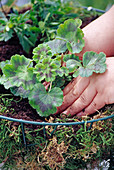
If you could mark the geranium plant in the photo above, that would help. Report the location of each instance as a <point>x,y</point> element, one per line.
<point>25,76</point>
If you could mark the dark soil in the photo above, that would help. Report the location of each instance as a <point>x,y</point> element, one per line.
<point>22,109</point>
<point>9,48</point>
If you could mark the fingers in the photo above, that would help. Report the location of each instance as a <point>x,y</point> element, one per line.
<point>96,104</point>
<point>74,93</point>
<point>83,101</point>
<point>89,93</point>
<point>70,85</point>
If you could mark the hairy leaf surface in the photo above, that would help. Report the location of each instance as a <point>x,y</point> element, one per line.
<point>20,91</point>
<point>45,102</point>
<point>4,81</point>
<point>20,72</point>
<point>66,57</point>
<point>57,46</point>
<point>3,63</point>
<point>62,71</point>
<point>72,65</point>
<point>42,51</point>
<point>72,62</point>
<point>72,35</point>
<point>47,69</point>
<point>92,62</point>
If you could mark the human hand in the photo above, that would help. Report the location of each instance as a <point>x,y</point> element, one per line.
<point>84,95</point>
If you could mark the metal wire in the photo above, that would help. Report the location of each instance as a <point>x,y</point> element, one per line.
<point>51,124</point>
<point>93,9</point>
<point>55,124</point>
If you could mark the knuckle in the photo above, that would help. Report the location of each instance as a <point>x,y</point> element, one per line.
<point>94,104</point>
<point>109,98</point>
<point>75,92</point>
<point>83,99</point>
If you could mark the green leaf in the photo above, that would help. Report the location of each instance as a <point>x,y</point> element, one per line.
<point>27,41</point>
<point>2,28</point>
<point>45,102</point>
<point>3,63</point>
<point>4,81</point>
<point>34,29</point>
<point>3,21</point>
<point>2,15</point>
<point>57,61</point>
<point>62,71</point>
<point>72,65</point>
<point>41,25</point>
<point>72,62</point>
<point>32,1</point>
<point>20,91</point>
<point>69,26</point>
<point>20,72</point>
<point>66,57</point>
<point>6,35</point>
<point>72,34</point>
<point>58,82</point>
<point>46,70</point>
<point>57,46</point>
<point>42,51</point>
<point>93,62</point>
<point>76,73</point>
<point>85,72</point>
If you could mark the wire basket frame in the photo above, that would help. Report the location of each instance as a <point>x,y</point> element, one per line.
<point>22,122</point>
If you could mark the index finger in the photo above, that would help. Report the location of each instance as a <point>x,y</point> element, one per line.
<point>70,85</point>
<point>74,93</point>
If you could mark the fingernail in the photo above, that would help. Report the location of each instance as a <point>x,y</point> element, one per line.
<point>65,112</point>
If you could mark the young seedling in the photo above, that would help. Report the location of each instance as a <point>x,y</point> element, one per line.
<point>25,76</point>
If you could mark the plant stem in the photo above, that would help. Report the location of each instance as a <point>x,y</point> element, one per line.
<point>29,63</point>
<point>3,9</point>
<point>62,59</point>
<point>50,86</point>
<point>4,95</point>
<point>16,101</point>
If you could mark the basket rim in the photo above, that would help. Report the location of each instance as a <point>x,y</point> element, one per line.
<point>54,124</point>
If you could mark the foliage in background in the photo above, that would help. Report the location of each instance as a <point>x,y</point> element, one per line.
<point>97,4</point>
<point>42,20</point>
<point>16,24</point>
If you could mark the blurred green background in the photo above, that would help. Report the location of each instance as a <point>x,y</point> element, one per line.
<point>100,4</point>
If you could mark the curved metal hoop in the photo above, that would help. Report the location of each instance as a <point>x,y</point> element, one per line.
<point>55,124</point>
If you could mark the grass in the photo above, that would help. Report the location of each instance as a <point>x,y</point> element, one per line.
<point>72,146</point>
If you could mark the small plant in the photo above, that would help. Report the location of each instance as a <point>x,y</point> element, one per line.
<point>37,25</point>
<point>24,76</point>
<point>16,23</point>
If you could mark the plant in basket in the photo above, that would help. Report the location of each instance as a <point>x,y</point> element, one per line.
<point>40,81</point>
<point>25,77</point>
